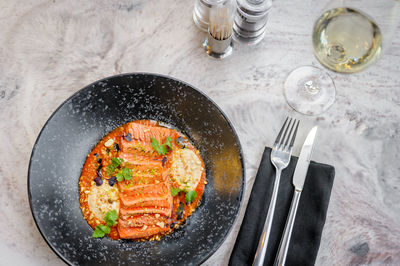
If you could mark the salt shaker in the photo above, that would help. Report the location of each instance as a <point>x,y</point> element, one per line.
<point>251,20</point>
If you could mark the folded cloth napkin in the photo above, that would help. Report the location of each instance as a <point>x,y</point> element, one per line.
<point>310,217</point>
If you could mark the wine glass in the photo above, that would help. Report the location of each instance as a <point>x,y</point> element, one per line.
<point>349,36</point>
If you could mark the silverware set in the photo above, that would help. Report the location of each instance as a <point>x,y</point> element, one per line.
<point>280,158</point>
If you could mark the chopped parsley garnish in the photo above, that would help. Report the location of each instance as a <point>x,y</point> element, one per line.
<point>115,163</point>
<point>175,191</point>
<point>162,149</point>
<point>168,142</point>
<point>190,196</point>
<point>124,174</point>
<point>121,173</point>
<point>101,229</point>
<point>111,217</point>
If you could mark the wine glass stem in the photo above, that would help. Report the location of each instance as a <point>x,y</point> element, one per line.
<point>310,87</point>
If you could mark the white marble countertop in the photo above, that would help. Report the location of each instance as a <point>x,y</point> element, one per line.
<point>51,49</point>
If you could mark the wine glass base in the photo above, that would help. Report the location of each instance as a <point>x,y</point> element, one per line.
<point>309,90</point>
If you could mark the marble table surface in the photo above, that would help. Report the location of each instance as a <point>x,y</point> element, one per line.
<point>51,49</point>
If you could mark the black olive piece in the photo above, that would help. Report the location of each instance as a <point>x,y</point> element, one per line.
<point>99,167</point>
<point>164,160</point>
<point>128,137</point>
<point>96,154</point>
<point>98,181</point>
<point>112,181</point>
<point>180,210</point>
<point>99,160</point>
<point>172,225</point>
<point>116,147</point>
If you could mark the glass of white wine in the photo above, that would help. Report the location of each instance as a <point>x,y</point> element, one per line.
<point>349,36</point>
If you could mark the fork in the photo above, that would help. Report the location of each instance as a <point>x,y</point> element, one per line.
<point>280,158</point>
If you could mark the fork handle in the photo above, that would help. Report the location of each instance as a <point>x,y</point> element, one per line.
<point>263,242</point>
<point>284,245</point>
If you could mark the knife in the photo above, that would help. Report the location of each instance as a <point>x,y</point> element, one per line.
<point>299,177</point>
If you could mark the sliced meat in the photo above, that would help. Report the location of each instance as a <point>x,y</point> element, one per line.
<point>146,201</point>
<point>128,212</point>
<point>146,133</point>
<point>140,220</point>
<point>141,161</point>
<point>140,232</point>
<point>144,187</point>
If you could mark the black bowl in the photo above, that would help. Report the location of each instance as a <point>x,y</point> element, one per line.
<point>82,120</point>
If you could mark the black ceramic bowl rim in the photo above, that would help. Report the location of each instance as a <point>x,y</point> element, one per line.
<point>87,87</point>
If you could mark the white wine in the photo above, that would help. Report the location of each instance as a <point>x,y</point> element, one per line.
<point>346,40</point>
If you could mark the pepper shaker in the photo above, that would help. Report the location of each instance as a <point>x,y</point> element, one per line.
<point>251,20</point>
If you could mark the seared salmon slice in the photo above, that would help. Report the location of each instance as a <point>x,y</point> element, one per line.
<point>147,132</point>
<point>141,161</point>
<point>140,232</point>
<point>140,220</point>
<point>144,188</point>
<point>128,212</point>
<point>146,201</point>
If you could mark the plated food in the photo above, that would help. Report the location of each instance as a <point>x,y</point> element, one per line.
<point>76,127</point>
<point>141,181</point>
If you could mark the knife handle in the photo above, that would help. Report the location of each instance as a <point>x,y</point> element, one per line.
<point>284,245</point>
<point>263,242</point>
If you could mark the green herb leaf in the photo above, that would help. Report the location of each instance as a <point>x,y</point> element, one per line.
<point>115,163</point>
<point>168,142</point>
<point>127,173</point>
<point>110,169</point>
<point>160,148</point>
<point>104,228</point>
<point>190,196</point>
<point>175,191</point>
<point>100,231</point>
<point>119,177</point>
<point>97,233</point>
<point>111,217</point>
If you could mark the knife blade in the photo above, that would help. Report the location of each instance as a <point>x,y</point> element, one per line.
<point>303,162</point>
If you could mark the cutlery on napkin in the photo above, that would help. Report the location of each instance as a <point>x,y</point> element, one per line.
<point>299,177</point>
<point>310,217</point>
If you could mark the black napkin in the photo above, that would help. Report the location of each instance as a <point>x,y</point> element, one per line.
<point>310,217</point>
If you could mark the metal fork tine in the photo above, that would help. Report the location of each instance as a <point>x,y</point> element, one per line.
<point>284,134</point>
<point>290,133</point>
<point>294,135</point>
<point>280,132</point>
